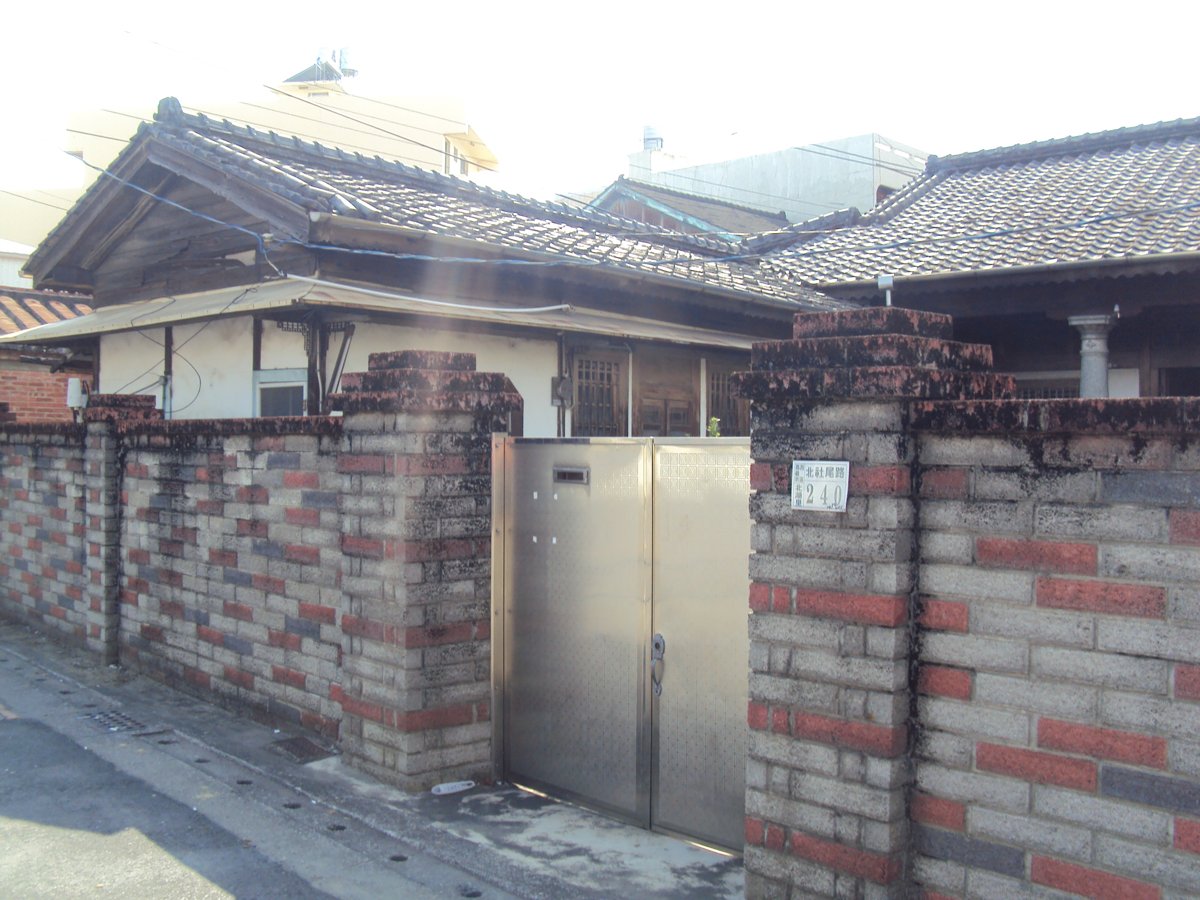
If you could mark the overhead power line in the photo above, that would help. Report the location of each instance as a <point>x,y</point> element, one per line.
<point>35,200</point>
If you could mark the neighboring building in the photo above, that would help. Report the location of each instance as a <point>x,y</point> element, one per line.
<point>1033,246</point>
<point>33,378</point>
<point>803,182</point>
<point>687,213</point>
<point>278,263</point>
<point>430,132</point>
<point>12,261</point>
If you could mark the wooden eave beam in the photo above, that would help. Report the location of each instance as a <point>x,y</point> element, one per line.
<point>113,236</point>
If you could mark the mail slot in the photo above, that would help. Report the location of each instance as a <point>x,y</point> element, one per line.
<point>570,475</point>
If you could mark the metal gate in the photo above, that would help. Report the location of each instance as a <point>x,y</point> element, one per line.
<point>619,597</point>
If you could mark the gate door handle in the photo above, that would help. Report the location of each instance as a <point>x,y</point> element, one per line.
<point>658,649</point>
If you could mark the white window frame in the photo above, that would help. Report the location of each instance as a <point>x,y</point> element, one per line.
<point>279,378</point>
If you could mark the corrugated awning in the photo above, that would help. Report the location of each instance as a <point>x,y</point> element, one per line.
<point>300,294</point>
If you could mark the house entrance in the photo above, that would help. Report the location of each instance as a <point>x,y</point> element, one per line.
<point>619,595</point>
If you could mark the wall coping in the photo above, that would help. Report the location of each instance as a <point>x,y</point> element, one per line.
<point>1148,415</point>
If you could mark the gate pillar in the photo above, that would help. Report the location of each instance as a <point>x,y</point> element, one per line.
<point>416,525</point>
<point>833,596</point>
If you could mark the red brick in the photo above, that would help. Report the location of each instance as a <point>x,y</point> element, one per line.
<point>1187,835</point>
<point>210,635</point>
<point>874,867</point>
<point>755,830</point>
<point>375,631</point>
<point>284,675</point>
<point>171,608</point>
<point>1187,682</point>
<point>943,681</point>
<point>238,611</point>
<point>368,548</point>
<point>361,708</point>
<point>1049,556</point>
<point>252,493</point>
<point>780,721</point>
<point>757,716</point>
<point>878,740</point>
<point>251,528</point>
<point>939,811</point>
<point>357,464</point>
<point>760,477</point>
<point>302,553</point>
<point>1185,526</point>
<point>223,558</point>
<point>427,719</point>
<point>776,837</point>
<point>760,596</point>
<point>196,677</point>
<point>241,679</point>
<point>318,613</point>
<point>269,584</point>
<point>151,632</point>
<point>295,479</point>
<point>1075,879</point>
<point>879,480</point>
<point>1035,766</point>
<point>871,609</point>
<point>297,515</point>
<point>944,615</point>
<point>283,639</point>
<point>1102,597</point>
<point>1103,743</point>
<point>436,635</point>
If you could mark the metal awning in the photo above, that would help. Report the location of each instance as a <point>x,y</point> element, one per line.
<point>306,294</point>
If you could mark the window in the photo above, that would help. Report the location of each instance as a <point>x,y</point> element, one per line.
<point>597,411</point>
<point>733,412</point>
<point>280,392</point>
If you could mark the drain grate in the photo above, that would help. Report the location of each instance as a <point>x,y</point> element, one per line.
<point>301,750</point>
<point>113,720</point>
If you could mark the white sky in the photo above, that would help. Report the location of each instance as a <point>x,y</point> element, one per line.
<point>560,91</point>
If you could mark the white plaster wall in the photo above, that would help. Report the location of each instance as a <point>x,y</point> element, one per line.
<point>211,369</point>
<point>529,363</point>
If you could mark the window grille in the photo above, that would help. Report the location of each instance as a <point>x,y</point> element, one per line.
<point>597,411</point>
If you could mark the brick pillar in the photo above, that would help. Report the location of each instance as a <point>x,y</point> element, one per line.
<point>833,597</point>
<point>416,545</point>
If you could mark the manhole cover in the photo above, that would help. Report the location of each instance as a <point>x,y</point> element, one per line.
<point>113,720</point>
<point>301,750</point>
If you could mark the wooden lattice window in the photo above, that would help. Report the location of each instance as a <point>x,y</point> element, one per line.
<point>597,411</point>
<point>723,404</point>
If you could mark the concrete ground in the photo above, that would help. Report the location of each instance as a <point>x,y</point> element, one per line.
<point>113,784</point>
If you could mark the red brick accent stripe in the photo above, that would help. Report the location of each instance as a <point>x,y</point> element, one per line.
<point>1187,682</point>
<point>1103,743</point>
<point>1035,766</point>
<point>943,681</point>
<point>880,480</point>
<point>1187,835</point>
<point>939,811</point>
<point>944,484</point>
<point>1102,597</point>
<point>870,609</point>
<point>1049,556</point>
<point>944,615</point>
<point>1089,882</point>
<point>1185,526</point>
<point>878,740</point>
<point>874,867</point>
<point>756,831</point>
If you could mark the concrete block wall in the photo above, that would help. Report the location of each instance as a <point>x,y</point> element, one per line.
<point>231,562</point>
<point>417,542</point>
<point>46,557</point>
<point>1059,743</point>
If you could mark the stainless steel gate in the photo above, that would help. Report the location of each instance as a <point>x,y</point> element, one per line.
<point>619,596</point>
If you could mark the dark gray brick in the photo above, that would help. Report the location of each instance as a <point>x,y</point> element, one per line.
<point>971,852</point>
<point>1176,794</point>
<point>283,460</point>
<point>269,549</point>
<point>238,577</point>
<point>1165,488</point>
<point>319,499</point>
<point>302,627</point>
<point>238,645</point>
<point>199,616</point>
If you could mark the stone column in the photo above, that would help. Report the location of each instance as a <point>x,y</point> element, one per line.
<point>1093,354</point>
<point>416,552</point>
<point>834,599</point>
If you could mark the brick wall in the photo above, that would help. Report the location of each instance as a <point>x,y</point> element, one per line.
<point>231,564</point>
<point>983,678</point>
<point>34,393</point>
<point>1060,648</point>
<point>330,572</point>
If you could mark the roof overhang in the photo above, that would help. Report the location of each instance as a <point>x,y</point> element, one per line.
<point>295,294</point>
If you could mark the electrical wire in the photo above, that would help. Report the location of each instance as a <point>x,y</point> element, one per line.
<point>35,200</point>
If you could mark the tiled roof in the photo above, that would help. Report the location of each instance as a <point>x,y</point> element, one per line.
<point>351,186</point>
<point>1112,196</point>
<point>727,217</point>
<point>21,309</point>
